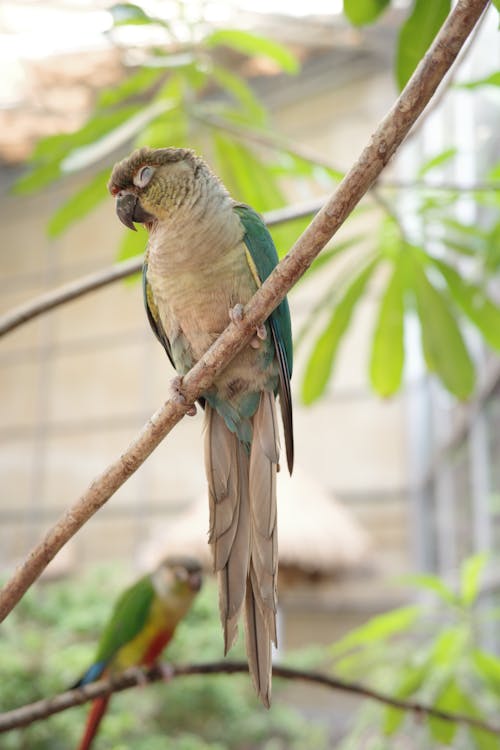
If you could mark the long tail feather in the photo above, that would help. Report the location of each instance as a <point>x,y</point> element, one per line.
<point>243,533</point>
<point>97,711</point>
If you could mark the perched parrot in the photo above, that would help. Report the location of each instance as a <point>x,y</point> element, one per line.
<point>142,623</point>
<point>206,257</point>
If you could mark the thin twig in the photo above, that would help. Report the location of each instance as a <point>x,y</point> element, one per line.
<point>384,142</point>
<point>21,717</point>
<point>77,288</point>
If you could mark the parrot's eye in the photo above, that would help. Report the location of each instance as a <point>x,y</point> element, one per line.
<point>143,176</point>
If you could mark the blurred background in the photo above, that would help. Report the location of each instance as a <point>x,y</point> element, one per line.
<point>396,329</point>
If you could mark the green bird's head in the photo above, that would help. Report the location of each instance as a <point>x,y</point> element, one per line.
<point>151,184</point>
<point>177,580</point>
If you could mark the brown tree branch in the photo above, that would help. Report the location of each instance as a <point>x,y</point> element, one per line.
<point>77,288</point>
<point>384,142</point>
<point>20,717</point>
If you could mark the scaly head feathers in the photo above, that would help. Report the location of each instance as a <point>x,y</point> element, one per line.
<point>151,184</point>
<point>177,580</point>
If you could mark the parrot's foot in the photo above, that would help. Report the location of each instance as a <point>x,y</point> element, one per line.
<point>236,315</point>
<point>179,397</point>
<point>166,670</point>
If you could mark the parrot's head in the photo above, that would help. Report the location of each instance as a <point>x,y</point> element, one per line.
<point>177,580</point>
<point>150,184</point>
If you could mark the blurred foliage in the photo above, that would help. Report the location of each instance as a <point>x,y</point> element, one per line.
<point>50,639</point>
<point>427,261</point>
<point>430,653</point>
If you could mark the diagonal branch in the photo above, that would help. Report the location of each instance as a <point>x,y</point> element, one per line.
<point>384,142</point>
<point>20,717</point>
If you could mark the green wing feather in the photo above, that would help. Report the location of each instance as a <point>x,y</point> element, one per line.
<point>261,247</point>
<point>129,616</point>
<point>153,315</point>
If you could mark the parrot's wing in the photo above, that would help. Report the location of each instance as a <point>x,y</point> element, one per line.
<point>127,620</point>
<point>263,258</point>
<point>153,315</point>
<point>155,322</point>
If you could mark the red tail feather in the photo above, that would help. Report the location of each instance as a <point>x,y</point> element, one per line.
<point>97,711</point>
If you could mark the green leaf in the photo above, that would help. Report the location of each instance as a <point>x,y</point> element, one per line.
<point>243,94</point>
<point>437,161</point>
<point>360,12</point>
<point>443,344</point>
<point>124,14</point>
<point>136,84</point>
<point>378,628</point>
<point>417,34</point>
<point>473,301</point>
<point>488,667</point>
<point>449,647</point>
<point>246,177</point>
<point>470,578</point>
<point>387,355</point>
<point>80,204</point>
<point>133,243</point>
<point>330,253</point>
<point>449,699</point>
<point>254,45</point>
<point>492,80</point>
<point>431,583</point>
<point>321,361</point>
<point>412,680</point>
<point>49,154</point>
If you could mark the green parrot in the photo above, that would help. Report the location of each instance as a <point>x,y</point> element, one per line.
<point>142,623</point>
<point>205,258</point>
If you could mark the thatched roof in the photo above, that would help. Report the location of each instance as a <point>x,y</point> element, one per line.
<point>317,535</point>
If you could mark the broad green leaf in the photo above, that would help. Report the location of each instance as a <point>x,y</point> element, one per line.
<point>245,176</point>
<point>449,699</point>
<point>170,129</point>
<point>378,628</point>
<point>243,94</point>
<point>492,80</point>
<point>481,740</point>
<point>417,34</point>
<point>330,253</point>
<point>449,647</point>
<point>284,235</point>
<point>133,243</point>
<point>387,355</point>
<point>45,164</point>
<point>136,84</point>
<point>444,348</point>
<point>321,361</point>
<point>360,12</point>
<point>488,666</point>
<point>128,13</point>
<point>492,259</point>
<point>470,578</point>
<point>412,680</point>
<point>494,173</point>
<point>80,204</point>
<point>431,583</point>
<point>437,161</point>
<point>254,45</point>
<point>473,301</point>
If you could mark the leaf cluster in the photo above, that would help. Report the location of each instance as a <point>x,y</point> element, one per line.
<point>431,653</point>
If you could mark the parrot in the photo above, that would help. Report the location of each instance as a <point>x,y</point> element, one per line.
<point>206,256</point>
<point>142,623</point>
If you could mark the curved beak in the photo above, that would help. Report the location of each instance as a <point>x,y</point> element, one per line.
<point>128,210</point>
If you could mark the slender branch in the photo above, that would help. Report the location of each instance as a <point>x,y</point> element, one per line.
<point>384,142</point>
<point>28,714</point>
<point>77,288</point>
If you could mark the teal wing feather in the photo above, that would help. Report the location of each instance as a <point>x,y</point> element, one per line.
<point>263,253</point>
